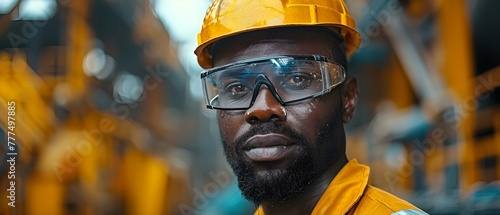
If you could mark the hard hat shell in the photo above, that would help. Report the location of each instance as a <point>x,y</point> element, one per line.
<point>225,18</point>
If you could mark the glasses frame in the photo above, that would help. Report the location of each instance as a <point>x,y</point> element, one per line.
<point>262,79</point>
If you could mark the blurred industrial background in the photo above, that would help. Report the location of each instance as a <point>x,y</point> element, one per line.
<point>109,117</point>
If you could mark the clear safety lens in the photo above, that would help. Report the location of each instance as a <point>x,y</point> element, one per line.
<point>290,79</point>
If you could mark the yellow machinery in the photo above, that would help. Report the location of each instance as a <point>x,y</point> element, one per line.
<point>74,158</point>
<point>436,128</point>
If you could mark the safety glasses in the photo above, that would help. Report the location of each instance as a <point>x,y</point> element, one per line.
<point>290,79</point>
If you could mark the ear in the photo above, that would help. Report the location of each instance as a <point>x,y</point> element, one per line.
<point>349,98</point>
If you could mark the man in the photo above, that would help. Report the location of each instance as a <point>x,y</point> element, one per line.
<point>276,75</point>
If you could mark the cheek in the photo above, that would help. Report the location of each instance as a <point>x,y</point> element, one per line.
<point>230,124</point>
<point>313,117</point>
<point>306,120</point>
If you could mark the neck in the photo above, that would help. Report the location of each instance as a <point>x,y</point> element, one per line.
<point>305,202</point>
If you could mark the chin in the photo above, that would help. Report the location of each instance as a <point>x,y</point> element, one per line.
<point>274,184</point>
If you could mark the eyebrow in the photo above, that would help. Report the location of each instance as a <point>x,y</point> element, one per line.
<point>232,74</point>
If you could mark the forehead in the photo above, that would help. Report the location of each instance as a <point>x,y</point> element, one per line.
<point>285,41</point>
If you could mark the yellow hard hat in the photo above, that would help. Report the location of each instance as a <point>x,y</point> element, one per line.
<point>225,18</point>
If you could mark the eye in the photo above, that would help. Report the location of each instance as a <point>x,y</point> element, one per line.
<point>237,88</point>
<point>297,81</point>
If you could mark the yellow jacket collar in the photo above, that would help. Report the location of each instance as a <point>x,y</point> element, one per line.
<point>343,192</point>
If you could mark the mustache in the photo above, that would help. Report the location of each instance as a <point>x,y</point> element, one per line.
<point>267,128</point>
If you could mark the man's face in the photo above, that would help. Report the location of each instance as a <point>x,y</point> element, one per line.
<point>274,150</point>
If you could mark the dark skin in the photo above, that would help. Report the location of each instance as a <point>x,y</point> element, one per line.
<point>307,117</point>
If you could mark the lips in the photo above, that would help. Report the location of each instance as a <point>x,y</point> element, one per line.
<point>268,147</point>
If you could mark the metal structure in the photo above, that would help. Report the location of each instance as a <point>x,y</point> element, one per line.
<point>434,139</point>
<point>84,145</point>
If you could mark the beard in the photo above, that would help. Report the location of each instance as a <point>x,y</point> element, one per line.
<point>281,185</point>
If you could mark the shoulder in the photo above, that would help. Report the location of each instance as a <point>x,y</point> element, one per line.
<point>377,201</point>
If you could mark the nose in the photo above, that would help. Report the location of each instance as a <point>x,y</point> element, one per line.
<point>265,108</point>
